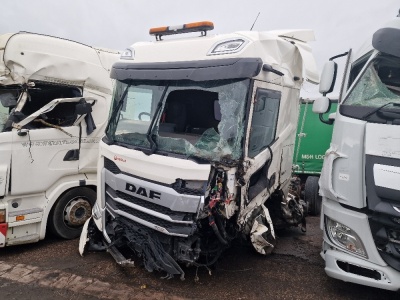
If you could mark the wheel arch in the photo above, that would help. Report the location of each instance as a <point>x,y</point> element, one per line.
<point>59,189</point>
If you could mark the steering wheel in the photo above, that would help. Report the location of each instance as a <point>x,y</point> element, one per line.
<point>143,114</point>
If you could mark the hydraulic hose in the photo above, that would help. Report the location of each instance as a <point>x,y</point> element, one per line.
<point>211,222</point>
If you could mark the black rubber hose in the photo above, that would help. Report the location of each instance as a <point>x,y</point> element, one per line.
<point>221,227</point>
<point>216,230</point>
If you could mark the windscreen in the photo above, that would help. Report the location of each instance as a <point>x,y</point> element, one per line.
<point>195,119</point>
<point>376,95</point>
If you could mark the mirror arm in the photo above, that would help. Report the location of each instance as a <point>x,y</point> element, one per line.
<point>339,55</point>
<point>328,122</point>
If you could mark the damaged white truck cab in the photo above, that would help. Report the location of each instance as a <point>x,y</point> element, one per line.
<point>199,145</point>
<point>360,182</point>
<point>55,96</point>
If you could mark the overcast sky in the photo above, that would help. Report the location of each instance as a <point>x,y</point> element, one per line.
<point>338,24</point>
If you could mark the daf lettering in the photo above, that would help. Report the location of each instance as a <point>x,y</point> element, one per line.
<point>142,191</point>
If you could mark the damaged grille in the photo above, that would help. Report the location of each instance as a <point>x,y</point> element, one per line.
<point>188,191</point>
<point>384,219</point>
<point>178,186</point>
<point>156,206</point>
<point>150,205</point>
<point>171,227</point>
<point>174,226</point>
<point>386,235</point>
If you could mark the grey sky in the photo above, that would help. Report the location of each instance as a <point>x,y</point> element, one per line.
<point>116,24</point>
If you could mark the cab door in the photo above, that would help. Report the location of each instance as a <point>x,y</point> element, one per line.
<point>42,152</point>
<point>7,102</point>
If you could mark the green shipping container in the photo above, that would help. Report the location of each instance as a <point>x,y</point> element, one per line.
<point>312,139</point>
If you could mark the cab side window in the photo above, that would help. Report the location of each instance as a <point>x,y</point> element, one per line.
<point>264,121</point>
<point>62,115</point>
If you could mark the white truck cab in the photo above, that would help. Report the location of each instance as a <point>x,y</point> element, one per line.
<point>198,149</point>
<point>55,96</point>
<point>360,181</point>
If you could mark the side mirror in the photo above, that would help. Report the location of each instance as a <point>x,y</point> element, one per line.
<point>321,105</point>
<point>328,78</point>
<point>83,107</point>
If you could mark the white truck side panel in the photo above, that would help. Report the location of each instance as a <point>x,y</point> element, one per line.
<point>35,158</point>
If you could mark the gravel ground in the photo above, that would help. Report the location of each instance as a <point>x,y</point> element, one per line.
<point>53,268</point>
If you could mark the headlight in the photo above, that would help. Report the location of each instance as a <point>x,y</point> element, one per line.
<point>226,47</point>
<point>128,54</point>
<point>344,237</point>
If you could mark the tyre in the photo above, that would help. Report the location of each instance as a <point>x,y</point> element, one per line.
<point>71,211</point>
<point>311,196</point>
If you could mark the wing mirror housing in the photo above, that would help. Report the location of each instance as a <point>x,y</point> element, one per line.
<point>321,106</point>
<point>328,77</point>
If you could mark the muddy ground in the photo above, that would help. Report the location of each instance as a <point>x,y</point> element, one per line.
<point>53,269</point>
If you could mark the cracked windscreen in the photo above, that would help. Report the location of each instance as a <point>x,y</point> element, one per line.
<point>377,88</point>
<point>194,119</point>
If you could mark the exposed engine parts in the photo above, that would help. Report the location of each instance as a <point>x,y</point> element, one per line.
<point>197,239</point>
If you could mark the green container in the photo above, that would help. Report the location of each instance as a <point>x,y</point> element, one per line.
<point>312,139</point>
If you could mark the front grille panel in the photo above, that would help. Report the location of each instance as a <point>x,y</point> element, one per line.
<point>386,234</point>
<point>188,191</point>
<point>173,228</point>
<point>382,202</point>
<point>152,206</point>
<point>157,222</point>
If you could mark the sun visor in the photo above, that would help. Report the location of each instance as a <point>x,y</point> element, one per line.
<point>213,69</point>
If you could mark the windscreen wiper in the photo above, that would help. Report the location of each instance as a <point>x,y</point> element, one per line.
<point>116,110</point>
<point>149,134</point>
<point>379,108</point>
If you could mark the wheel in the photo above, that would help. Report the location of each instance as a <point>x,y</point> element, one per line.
<point>71,211</point>
<point>311,196</point>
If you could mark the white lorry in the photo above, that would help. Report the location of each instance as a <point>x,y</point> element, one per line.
<point>199,145</point>
<point>360,182</point>
<point>55,96</point>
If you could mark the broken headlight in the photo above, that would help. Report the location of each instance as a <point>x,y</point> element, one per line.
<point>344,237</point>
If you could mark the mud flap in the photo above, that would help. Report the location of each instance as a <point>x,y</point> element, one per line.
<point>262,234</point>
<point>84,238</point>
<point>3,234</point>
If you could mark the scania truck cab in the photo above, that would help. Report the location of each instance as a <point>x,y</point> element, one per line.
<point>55,96</point>
<point>360,181</point>
<point>199,145</point>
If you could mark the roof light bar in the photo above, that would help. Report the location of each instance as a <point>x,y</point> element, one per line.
<point>202,27</point>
